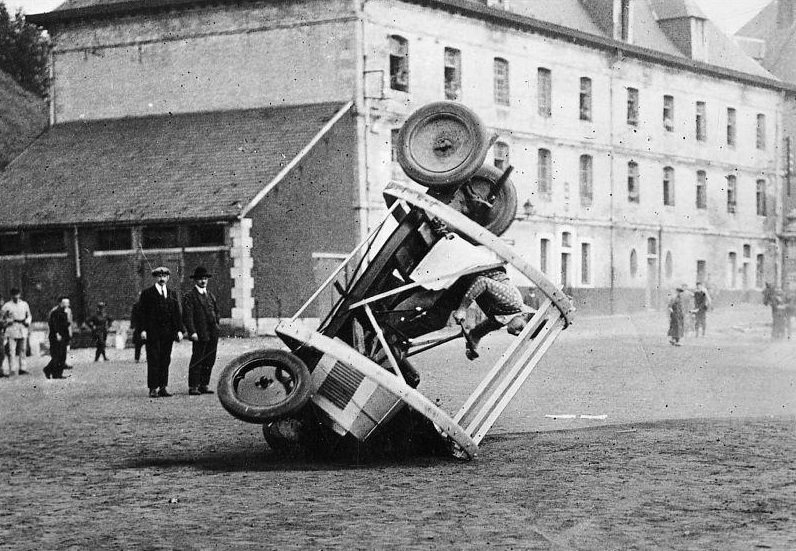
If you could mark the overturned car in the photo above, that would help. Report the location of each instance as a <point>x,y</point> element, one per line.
<point>348,386</point>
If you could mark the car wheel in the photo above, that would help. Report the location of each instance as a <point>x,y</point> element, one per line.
<point>264,385</point>
<point>442,143</point>
<point>496,210</point>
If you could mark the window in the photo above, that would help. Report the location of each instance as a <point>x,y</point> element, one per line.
<point>566,239</point>
<point>586,180</point>
<point>585,99</point>
<point>206,235</point>
<point>701,123</point>
<point>624,21</point>
<point>652,246</point>
<point>702,270</point>
<point>632,182</point>
<point>501,155</point>
<point>668,113</point>
<point>501,81</point>
<point>668,186</point>
<point>702,190</point>
<point>10,244</point>
<point>566,259</point>
<point>544,86</point>
<point>731,127</point>
<point>732,268</point>
<point>632,106</point>
<point>160,237</point>
<point>633,263</point>
<point>731,193</point>
<point>545,172</point>
<point>760,194</point>
<point>544,255</point>
<point>759,271</point>
<point>453,74</point>
<point>747,252</point>
<point>668,264</point>
<point>761,131</point>
<point>585,263</point>
<point>114,239</point>
<point>47,242</point>
<point>399,63</point>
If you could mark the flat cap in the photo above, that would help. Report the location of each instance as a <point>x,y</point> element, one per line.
<point>161,270</point>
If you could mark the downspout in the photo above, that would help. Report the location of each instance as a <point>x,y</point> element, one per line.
<point>79,276</point>
<point>51,86</point>
<point>360,110</point>
<point>780,241</point>
<point>612,173</point>
<point>660,266</point>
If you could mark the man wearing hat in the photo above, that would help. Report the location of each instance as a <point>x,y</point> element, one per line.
<point>201,320</point>
<point>161,325</point>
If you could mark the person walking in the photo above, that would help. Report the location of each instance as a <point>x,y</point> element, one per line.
<point>99,324</point>
<point>701,306</point>
<point>58,323</point>
<point>160,327</point>
<point>135,325</point>
<point>17,314</point>
<point>676,317</point>
<point>201,321</point>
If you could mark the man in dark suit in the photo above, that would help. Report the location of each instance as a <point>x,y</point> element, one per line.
<point>201,320</point>
<point>58,323</point>
<point>161,325</point>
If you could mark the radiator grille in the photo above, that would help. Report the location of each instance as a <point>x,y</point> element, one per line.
<point>340,385</point>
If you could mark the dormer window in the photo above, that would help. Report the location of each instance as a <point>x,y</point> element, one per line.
<point>624,20</point>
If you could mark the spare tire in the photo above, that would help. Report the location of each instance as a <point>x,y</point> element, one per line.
<point>442,143</point>
<point>264,385</point>
<point>476,200</point>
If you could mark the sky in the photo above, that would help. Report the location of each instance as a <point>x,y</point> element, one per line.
<point>729,15</point>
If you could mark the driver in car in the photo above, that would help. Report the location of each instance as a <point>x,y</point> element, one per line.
<point>502,303</point>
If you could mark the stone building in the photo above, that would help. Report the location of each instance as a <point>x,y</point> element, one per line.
<point>770,38</point>
<point>645,142</point>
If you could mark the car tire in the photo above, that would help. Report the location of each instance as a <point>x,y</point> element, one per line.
<point>264,385</point>
<point>470,199</point>
<point>441,144</point>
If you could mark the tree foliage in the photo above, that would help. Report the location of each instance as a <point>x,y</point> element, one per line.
<point>24,50</point>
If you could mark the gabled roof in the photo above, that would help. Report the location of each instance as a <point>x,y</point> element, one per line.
<point>780,42</point>
<point>23,116</point>
<point>676,9</point>
<point>151,168</point>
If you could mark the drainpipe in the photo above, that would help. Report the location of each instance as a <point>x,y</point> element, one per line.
<point>81,310</point>
<point>612,173</point>
<point>360,107</point>
<point>660,264</point>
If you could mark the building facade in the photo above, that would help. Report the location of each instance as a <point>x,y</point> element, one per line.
<point>646,150</point>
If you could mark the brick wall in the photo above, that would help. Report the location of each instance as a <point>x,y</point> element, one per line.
<point>204,59</point>
<point>311,211</point>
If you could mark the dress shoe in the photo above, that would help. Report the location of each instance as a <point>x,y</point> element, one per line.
<point>205,390</point>
<point>67,366</point>
<point>47,373</point>
<point>163,393</point>
<point>153,393</point>
<point>23,372</point>
<point>193,391</point>
<point>61,376</point>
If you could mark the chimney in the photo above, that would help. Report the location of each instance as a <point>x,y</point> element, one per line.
<point>785,13</point>
<point>623,17</point>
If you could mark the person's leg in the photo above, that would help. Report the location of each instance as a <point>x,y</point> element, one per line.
<point>211,349</point>
<point>165,360</point>
<point>59,360</point>
<point>152,364</point>
<point>195,366</point>
<point>477,333</point>
<point>97,352</point>
<point>20,351</point>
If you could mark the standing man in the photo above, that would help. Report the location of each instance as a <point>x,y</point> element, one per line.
<point>676,317</point>
<point>160,327</point>
<point>201,320</point>
<point>17,314</point>
<point>701,306</point>
<point>58,323</point>
<point>99,324</point>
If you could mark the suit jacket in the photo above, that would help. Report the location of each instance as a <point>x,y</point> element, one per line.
<point>200,314</point>
<point>58,322</point>
<point>159,317</point>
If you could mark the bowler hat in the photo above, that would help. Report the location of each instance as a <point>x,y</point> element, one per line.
<point>161,270</point>
<point>200,272</point>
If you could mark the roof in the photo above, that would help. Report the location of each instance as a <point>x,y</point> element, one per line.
<point>582,21</point>
<point>149,169</point>
<point>780,42</point>
<point>676,9</point>
<point>23,116</point>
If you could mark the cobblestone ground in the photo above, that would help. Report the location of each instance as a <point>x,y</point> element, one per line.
<point>684,448</point>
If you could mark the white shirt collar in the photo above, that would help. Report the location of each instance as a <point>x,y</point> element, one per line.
<point>201,289</point>
<point>162,289</point>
